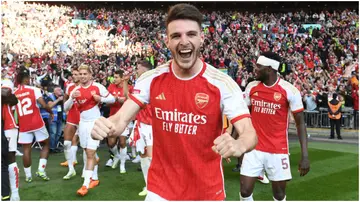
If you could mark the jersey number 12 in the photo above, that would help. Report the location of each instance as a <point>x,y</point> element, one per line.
<point>23,107</point>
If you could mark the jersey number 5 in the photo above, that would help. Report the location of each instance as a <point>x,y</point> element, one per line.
<point>285,165</point>
<point>23,107</point>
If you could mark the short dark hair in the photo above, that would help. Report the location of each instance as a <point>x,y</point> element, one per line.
<point>23,74</point>
<point>145,64</point>
<point>119,72</point>
<point>184,12</point>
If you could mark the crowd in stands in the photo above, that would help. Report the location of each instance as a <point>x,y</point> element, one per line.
<point>319,60</point>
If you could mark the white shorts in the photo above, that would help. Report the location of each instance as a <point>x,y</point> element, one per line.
<point>151,196</point>
<point>146,133</point>
<point>12,136</point>
<point>27,137</point>
<point>86,140</point>
<point>277,166</point>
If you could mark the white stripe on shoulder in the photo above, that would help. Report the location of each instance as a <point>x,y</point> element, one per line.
<point>215,74</point>
<point>253,84</point>
<point>288,86</point>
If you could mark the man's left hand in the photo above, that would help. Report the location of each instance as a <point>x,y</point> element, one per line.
<point>304,166</point>
<point>97,98</point>
<point>227,146</point>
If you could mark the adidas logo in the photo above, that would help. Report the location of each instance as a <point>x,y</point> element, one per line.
<point>256,94</point>
<point>160,97</point>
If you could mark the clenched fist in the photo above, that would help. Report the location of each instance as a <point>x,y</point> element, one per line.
<point>76,94</point>
<point>97,98</point>
<point>227,146</point>
<point>102,128</point>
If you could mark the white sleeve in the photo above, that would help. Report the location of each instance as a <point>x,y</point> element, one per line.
<point>37,93</point>
<point>6,83</point>
<point>67,90</point>
<point>106,97</point>
<point>103,91</point>
<point>248,91</point>
<point>141,91</point>
<point>68,104</point>
<point>232,101</point>
<point>294,99</point>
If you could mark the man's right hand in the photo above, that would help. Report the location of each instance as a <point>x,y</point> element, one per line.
<point>103,128</point>
<point>76,94</point>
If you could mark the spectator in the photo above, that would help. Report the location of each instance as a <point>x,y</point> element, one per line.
<point>56,125</point>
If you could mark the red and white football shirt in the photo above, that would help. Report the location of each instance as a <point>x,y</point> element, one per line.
<point>73,116</point>
<point>186,119</point>
<point>27,108</point>
<point>117,92</point>
<point>86,104</point>
<point>270,107</point>
<point>145,115</point>
<point>7,113</point>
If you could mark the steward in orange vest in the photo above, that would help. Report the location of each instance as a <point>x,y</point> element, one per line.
<point>334,114</point>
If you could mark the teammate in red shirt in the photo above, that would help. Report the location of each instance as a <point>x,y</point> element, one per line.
<point>120,90</point>
<point>72,123</point>
<point>11,133</point>
<point>188,99</point>
<point>87,97</point>
<point>31,124</point>
<point>271,98</point>
<point>144,129</point>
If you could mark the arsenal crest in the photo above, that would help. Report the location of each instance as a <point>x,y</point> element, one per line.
<point>201,100</point>
<point>277,96</point>
<point>93,92</point>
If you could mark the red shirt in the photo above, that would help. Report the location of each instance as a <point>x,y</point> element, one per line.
<point>27,109</point>
<point>8,114</point>
<point>88,107</point>
<point>145,115</point>
<point>187,118</point>
<point>269,111</point>
<point>117,92</point>
<point>73,116</point>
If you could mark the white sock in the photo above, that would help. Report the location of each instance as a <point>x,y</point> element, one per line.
<point>95,173</point>
<point>133,151</point>
<point>249,198</point>
<point>115,150</point>
<point>73,152</point>
<point>123,153</point>
<point>27,171</point>
<point>145,164</point>
<point>67,149</point>
<point>278,200</point>
<point>14,178</point>
<point>68,154</point>
<point>85,161</point>
<point>87,175</point>
<point>42,165</point>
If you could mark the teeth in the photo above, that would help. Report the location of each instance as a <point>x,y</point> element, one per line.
<point>185,51</point>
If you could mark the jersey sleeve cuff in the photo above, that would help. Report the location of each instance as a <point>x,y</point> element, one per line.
<point>237,118</point>
<point>138,102</point>
<point>297,111</point>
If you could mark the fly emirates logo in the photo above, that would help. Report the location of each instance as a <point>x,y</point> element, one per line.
<point>180,122</point>
<point>263,107</point>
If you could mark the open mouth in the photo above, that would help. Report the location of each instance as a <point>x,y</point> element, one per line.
<point>185,53</point>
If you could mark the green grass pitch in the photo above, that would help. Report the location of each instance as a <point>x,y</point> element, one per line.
<point>333,176</point>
